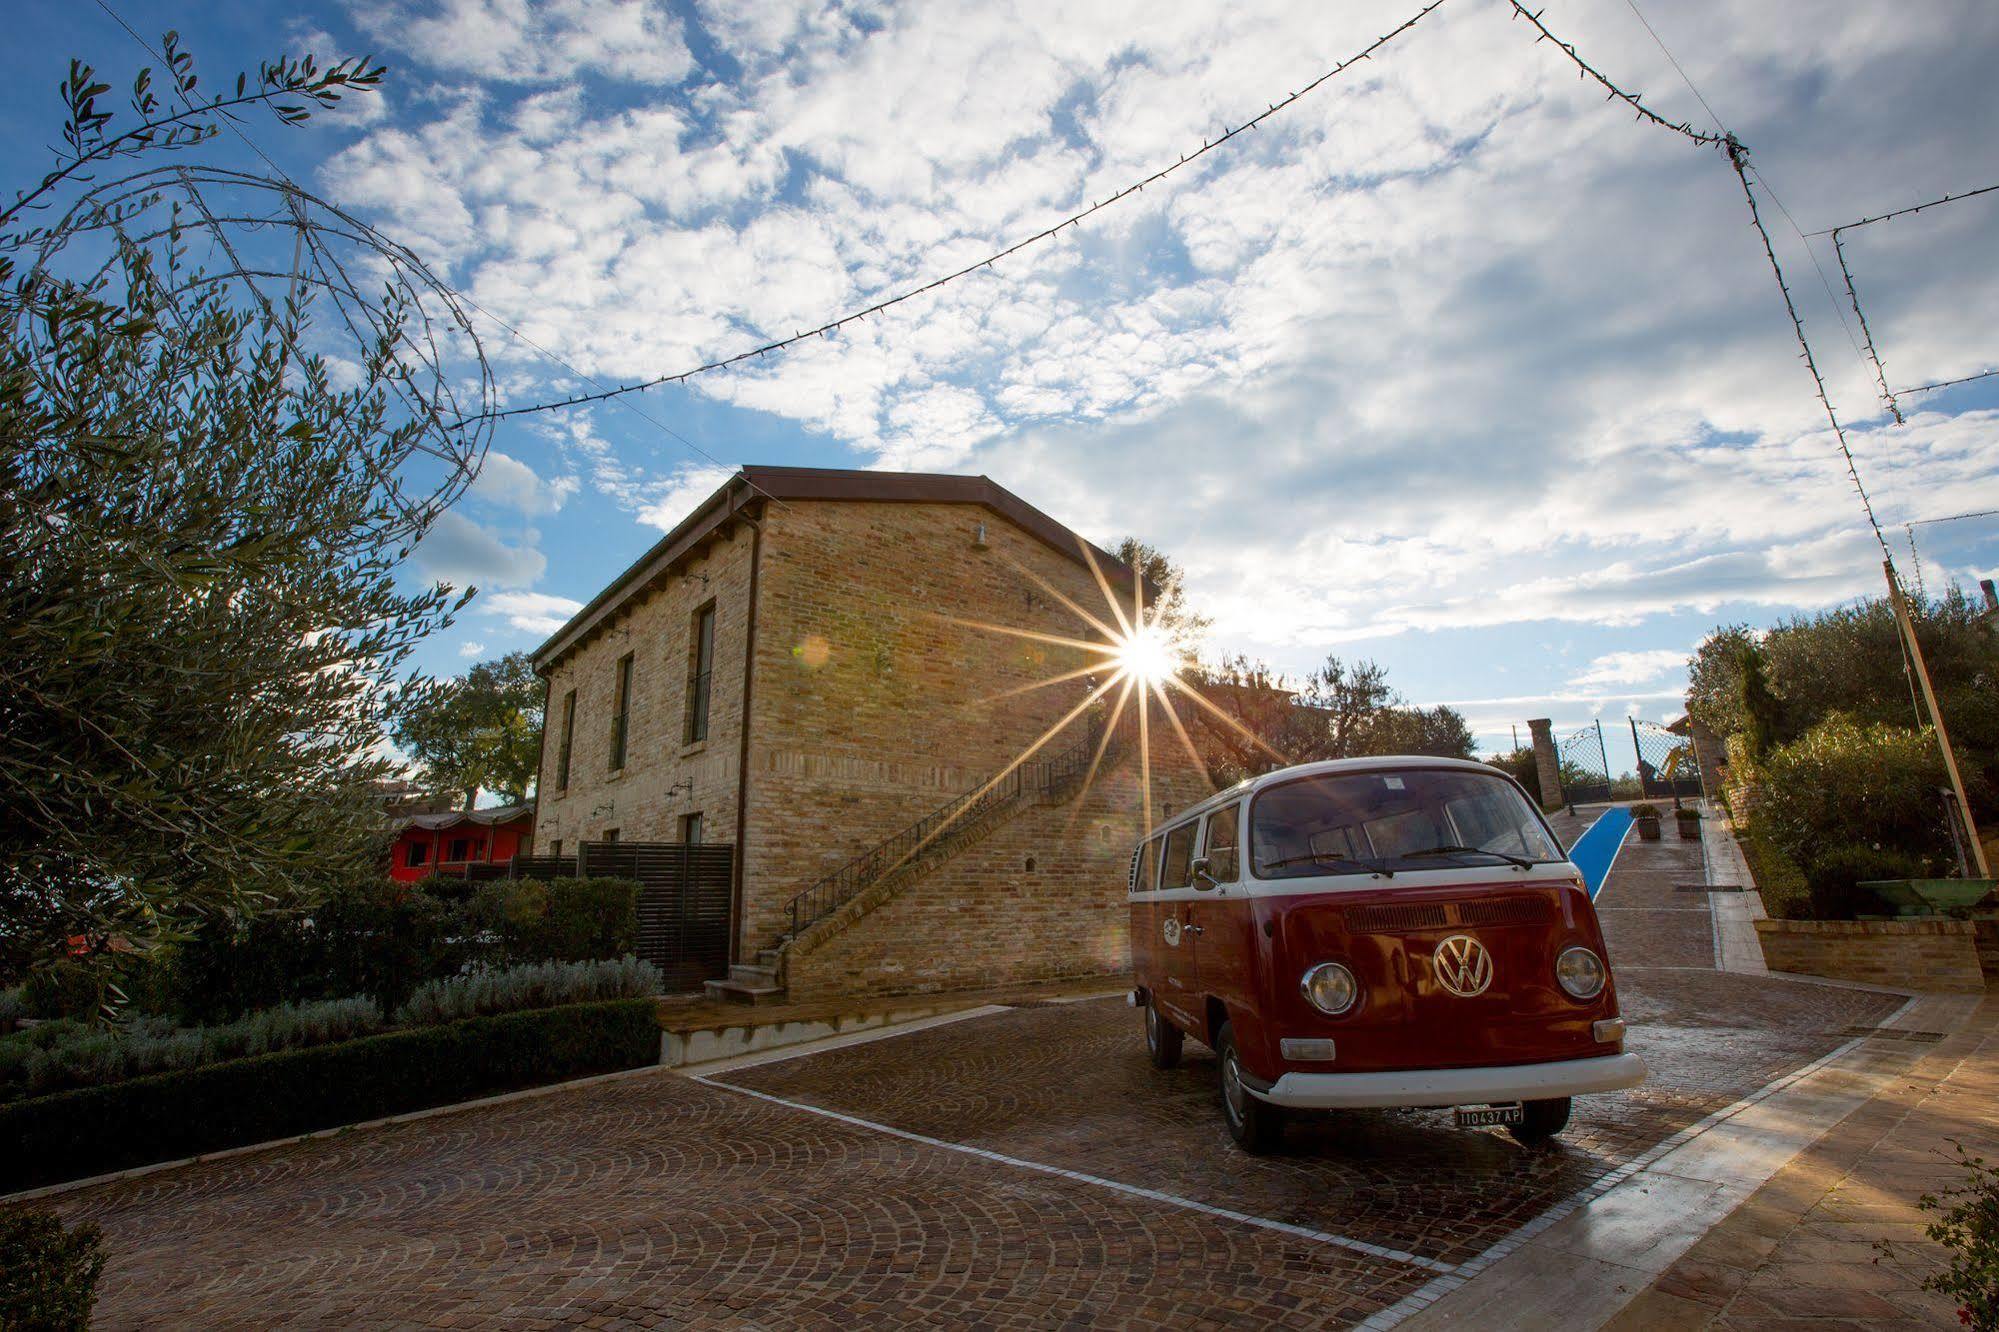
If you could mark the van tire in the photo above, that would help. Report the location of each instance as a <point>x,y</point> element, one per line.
<point>1541,1120</point>
<point>1163,1040</point>
<point>1256,1125</point>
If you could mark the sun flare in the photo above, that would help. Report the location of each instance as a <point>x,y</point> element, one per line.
<point>1144,654</point>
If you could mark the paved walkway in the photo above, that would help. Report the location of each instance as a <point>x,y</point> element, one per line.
<point>1802,1252</point>
<point>1015,1167</point>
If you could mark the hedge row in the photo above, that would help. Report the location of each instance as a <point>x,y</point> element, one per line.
<point>93,1130</point>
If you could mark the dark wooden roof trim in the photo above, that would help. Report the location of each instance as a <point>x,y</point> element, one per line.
<point>748,490</point>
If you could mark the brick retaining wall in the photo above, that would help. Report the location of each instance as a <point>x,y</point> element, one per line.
<point>1907,954</point>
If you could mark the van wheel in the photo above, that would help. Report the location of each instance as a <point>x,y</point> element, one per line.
<point>1162,1039</point>
<point>1541,1120</point>
<point>1256,1125</point>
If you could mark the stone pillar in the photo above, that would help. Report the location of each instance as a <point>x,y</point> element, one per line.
<point>1545,762</point>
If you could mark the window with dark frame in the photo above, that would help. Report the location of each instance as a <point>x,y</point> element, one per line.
<point>700,673</point>
<point>415,855</point>
<point>568,735</point>
<point>1223,863</point>
<point>621,711</point>
<point>690,829</point>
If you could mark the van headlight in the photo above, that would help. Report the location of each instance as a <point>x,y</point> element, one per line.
<point>1330,988</point>
<point>1580,972</point>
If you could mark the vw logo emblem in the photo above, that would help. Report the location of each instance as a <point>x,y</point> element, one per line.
<point>1463,966</point>
<point>1171,929</point>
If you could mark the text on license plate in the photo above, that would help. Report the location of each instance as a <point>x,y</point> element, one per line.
<point>1482,1116</point>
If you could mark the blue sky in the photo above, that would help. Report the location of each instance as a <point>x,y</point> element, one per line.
<point>1451,365</point>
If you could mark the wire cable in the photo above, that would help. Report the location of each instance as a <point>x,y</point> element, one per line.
<point>1909,211</point>
<point>833,325</point>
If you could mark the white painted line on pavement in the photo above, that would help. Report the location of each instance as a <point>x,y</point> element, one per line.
<point>1133,1190</point>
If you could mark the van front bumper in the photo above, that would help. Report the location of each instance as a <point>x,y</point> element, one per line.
<point>1454,1086</point>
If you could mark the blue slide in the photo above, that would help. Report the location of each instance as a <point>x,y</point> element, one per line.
<point>1597,847</point>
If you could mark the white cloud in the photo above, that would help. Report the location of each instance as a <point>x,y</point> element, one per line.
<point>531,612</point>
<point>460,552</point>
<point>1449,344</point>
<point>470,648</point>
<point>538,41</point>
<point>507,480</point>
<point>1631,668</point>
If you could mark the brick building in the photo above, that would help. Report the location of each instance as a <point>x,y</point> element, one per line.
<point>787,671</point>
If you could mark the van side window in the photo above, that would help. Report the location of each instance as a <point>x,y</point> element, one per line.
<point>1145,866</point>
<point>1179,854</point>
<point>1223,864</point>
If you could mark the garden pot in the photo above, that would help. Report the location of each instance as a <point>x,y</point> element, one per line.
<point>1648,828</point>
<point>1690,825</point>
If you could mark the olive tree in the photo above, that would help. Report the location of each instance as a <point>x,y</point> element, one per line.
<point>202,634</point>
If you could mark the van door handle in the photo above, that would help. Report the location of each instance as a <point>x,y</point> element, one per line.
<point>1192,929</point>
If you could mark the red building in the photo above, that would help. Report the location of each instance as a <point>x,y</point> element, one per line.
<point>446,843</point>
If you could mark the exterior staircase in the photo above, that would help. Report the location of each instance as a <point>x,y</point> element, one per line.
<point>879,873</point>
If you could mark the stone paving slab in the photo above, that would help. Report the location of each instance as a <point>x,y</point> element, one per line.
<point>659,1201</point>
<point>1805,1248</point>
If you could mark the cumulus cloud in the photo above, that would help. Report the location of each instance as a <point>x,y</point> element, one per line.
<point>470,648</point>
<point>508,481</point>
<point>1448,344</point>
<point>531,612</point>
<point>538,41</point>
<point>460,552</point>
<point>1631,668</point>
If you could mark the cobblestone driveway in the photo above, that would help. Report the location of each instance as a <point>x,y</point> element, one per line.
<point>661,1201</point>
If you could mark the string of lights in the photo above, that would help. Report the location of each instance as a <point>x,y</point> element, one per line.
<point>1948,383</point>
<point>1867,334</point>
<point>832,326</point>
<point>1615,93</point>
<point>1910,211</point>
<point>1738,158</point>
<point>1953,518</point>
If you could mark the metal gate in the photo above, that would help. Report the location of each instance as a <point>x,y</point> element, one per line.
<point>1666,762</point>
<point>684,897</point>
<point>1585,767</point>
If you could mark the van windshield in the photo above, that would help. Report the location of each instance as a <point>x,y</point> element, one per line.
<point>1393,820</point>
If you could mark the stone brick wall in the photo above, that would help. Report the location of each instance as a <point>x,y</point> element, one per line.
<point>871,705</point>
<point>1904,954</point>
<point>663,777</point>
<point>1042,897</point>
<point>874,705</point>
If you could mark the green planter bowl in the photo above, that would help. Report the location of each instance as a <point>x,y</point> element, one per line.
<point>1927,897</point>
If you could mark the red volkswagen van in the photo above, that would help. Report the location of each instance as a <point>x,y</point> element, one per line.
<point>1376,932</point>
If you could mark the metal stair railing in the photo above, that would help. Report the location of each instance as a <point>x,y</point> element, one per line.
<point>1036,777</point>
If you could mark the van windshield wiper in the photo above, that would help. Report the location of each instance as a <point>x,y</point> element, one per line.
<point>1453,850</point>
<point>1319,858</point>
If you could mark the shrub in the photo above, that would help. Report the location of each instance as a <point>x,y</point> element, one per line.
<point>60,1055</point>
<point>558,920</point>
<point>1843,782</point>
<point>1968,1226</point>
<point>1644,811</point>
<point>48,1272</point>
<point>533,985</point>
<point>169,1115</point>
<point>1834,874</point>
<point>1778,879</point>
<point>13,1006</point>
<point>63,990</point>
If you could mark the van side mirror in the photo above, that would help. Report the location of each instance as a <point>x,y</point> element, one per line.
<point>1203,880</point>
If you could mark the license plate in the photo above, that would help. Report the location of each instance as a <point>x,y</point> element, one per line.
<point>1486,1116</point>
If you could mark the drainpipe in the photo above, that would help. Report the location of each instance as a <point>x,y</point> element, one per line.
<point>743,747</point>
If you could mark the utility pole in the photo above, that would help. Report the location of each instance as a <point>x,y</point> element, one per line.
<point>1936,717</point>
